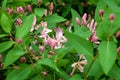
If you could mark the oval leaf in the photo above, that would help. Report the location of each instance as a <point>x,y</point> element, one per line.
<point>27,25</point>
<point>39,11</point>
<point>47,62</point>
<point>20,74</point>
<point>5,23</point>
<point>53,19</point>
<point>5,45</point>
<point>81,45</point>
<point>107,55</point>
<point>13,55</point>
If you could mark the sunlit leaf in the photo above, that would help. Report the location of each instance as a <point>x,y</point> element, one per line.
<point>107,55</point>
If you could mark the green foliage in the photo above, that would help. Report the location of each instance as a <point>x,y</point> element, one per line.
<point>5,46</point>
<point>81,45</point>
<point>107,55</point>
<point>13,55</point>
<point>39,11</point>
<point>5,23</point>
<point>70,51</point>
<point>53,19</point>
<point>76,77</point>
<point>20,74</point>
<point>21,32</point>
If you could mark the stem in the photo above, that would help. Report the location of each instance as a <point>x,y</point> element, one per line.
<point>29,52</point>
<point>54,76</point>
<point>87,73</point>
<point>109,32</point>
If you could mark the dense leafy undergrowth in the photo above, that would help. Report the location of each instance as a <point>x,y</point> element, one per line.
<point>60,40</point>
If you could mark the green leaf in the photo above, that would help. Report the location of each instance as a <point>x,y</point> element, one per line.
<point>66,11</point>
<point>114,72</point>
<point>36,49</point>
<point>13,55</point>
<point>47,62</point>
<point>21,74</point>
<point>62,62</point>
<point>60,53</point>
<point>16,3</point>
<point>53,19</point>
<point>76,77</point>
<point>5,46</point>
<point>96,69</point>
<point>112,5</point>
<point>5,23</point>
<point>100,5</point>
<point>83,32</point>
<point>74,15</point>
<point>4,5</point>
<point>3,35</point>
<point>27,25</point>
<point>81,45</point>
<point>107,55</point>
<point>39,11</point>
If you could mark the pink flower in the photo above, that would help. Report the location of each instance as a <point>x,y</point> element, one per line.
<point>84,22</point>
<point>111,17</point>
<point>10,11</point>
<point>77,21</point>
<point>33,24</point>
<point>41,49</point>
<point>20,10</point>
<point>29,7</point>
<point>91,25</point>
<point>52,42</point>
<point>59,37</point>
<point>44,32</point>
<point>51,7</point>
<point>93,38</point>
<point>19,40</point>
<point>118,49</point>
<point>19,21</point>
<point>117,34</point>
<point>79,64</point>
<point>101,12</point>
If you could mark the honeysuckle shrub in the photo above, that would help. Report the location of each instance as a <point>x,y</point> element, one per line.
<point>59,40</point>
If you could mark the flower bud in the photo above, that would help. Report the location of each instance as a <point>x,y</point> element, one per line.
<point>71,74</point>
<point>111,17</point>
<point>10,11</point>
<point>2,65</point>
<point>84,17</point>
<point>0,56</point>
<point>101,12</point>
<point>117,35</point>
<point>52,52</point>
<point>41,49</point>
<point>29,7</point>
<point>51,7</point>
<point>45,73</point>
<point>19,21</point>
<point>118,49</point>
<point>22,59</point>
<point>77,21</point>
<point>19,40</point>
<point>20,10</point>
<point>52,43</point>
